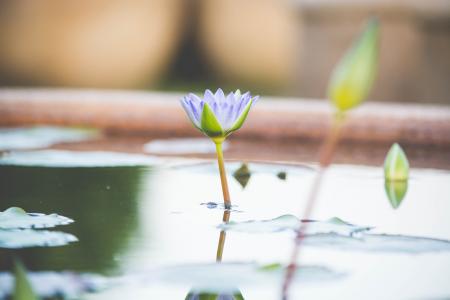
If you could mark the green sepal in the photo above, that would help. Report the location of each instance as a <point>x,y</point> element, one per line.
<point>22,287</point>
<point>353,77</point>
<point>396,191</point>
<point>209,123</point>
<point>396,165</point>
<point>240,121</point>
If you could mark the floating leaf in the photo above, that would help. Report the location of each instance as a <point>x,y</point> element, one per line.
<point>225,277</point>
<point>17,218</point>
<point>22,286</point>
<point>352,79</point>
<point>68,285</point>
<point>194,295</point>
<point>25,238</point>
<point>396,165</point>
<point>41,137</point>
<point>396,191</point>
<point>290,222</point>
<point>378,243</point>
<point>242,175</point>
<point>74,159</point>
<point>182,146</point>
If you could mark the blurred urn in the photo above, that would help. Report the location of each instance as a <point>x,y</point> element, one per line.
<point>252,41</point>
<point>96,43</point>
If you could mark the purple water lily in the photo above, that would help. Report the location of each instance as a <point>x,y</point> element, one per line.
<point>218,115</point>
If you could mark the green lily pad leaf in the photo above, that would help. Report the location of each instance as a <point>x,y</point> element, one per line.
<point>290,222</point>
<point>17,218</point>
<point>75,159</point>
<point>226,277</point>
<point>41,137</point>
<point>25,238</point>
<point>209,123</point>
<point>378,243</point>
<point>271,267</point>
<point>195,295</point>
<point>396,165</point>
<point>241,119</point>
<point>67,285</point>
<point>396,191</point>
<point>242,175</point>
<point>22,287</point>
<point>352,79</point>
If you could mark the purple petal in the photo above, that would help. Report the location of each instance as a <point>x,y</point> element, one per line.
<point>220,96</point>
<point>194,97</point>
<point>189,108</point>
<point>209,97</point>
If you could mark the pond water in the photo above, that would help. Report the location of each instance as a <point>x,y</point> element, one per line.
<point>151,229</point>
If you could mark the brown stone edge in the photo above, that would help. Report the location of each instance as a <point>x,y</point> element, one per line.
<point>160,114</point>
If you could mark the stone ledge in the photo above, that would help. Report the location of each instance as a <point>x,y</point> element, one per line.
<point>272,118</point>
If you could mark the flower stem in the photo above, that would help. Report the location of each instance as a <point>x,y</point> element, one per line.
<point>326,154</point>
<point>223,175</point>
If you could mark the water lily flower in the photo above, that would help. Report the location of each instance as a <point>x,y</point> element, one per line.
<point>217,116</point>
<point>353,77</point>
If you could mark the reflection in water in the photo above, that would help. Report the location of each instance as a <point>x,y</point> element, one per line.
<point>396,191</point>
<point>102,201</point>
<point>242,175</point>
<point>223,235</point>
<point>200,295</point>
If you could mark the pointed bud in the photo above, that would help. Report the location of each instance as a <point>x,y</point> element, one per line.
<point>352,79</point>
<point>396,165</point>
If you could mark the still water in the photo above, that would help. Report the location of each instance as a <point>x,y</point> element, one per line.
<point>135,223</point>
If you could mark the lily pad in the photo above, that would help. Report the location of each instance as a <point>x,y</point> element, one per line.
<point>290,222</point>
<point>74,159</point>
<point>226,277</point>
<point>25,238</point>
<point>41,137</point>
<point>17,218</point>
<point>67,285</point>
<point>379,243</point>
<point>182,146</point>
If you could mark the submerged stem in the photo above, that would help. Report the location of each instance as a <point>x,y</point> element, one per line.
<point>326,154</point>
<point>223,175</point>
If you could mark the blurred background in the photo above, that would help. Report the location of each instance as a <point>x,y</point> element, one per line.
<point>275,47</point>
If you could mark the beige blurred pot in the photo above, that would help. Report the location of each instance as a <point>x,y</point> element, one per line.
<point>97,43</point>
<point>252,40</point>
